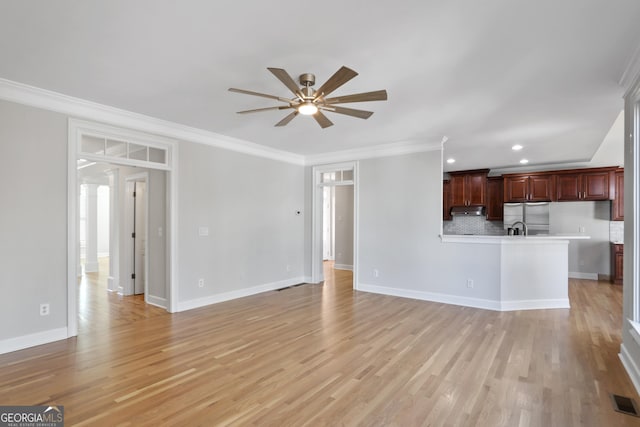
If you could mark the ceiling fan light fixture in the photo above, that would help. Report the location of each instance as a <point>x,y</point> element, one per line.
<point>307,108</point>
<point>312,102</point>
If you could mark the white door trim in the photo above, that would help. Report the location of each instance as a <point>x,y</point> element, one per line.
<point>76,129</point>
<point>317,275</point>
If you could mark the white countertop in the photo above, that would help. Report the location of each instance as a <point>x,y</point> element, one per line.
<point>476,238</point>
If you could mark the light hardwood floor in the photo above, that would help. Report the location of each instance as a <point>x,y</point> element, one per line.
<point>326,355</point>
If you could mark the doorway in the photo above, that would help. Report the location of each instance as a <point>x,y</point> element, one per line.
<point>337,225</point>
<point>334,219</point>
<point>125,149</point>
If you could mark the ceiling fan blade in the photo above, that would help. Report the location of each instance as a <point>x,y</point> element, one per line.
<point>255,110</point>
<point>287,80</point>
<point>361,114</point>
<point>378,95</point>
<point>340,77</point>
<point>287,119</point>
<point>322,120</point>
<point>264,95</point>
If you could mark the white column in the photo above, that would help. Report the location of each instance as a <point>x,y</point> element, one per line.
<point>114,240</point>
<point>91,260</point>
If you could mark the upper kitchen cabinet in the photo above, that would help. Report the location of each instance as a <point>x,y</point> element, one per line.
<point>446,200</point>
<point>530,187</point>
<point>468,188</point>
<point>617,204</point>
<point>495,199</point>
<point>585,184</point>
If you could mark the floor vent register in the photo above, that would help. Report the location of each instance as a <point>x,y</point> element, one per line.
<point>624,404</point>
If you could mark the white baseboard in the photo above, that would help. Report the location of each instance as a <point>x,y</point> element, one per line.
<point>306,279</point>
<point>157,301</point>
<point>240,293</point>
<point>431,296</point>
<point>541,304</point>
<point>466,301</point>
<point>587,276</point>
<point>112,284</point>
<point>630,366</point>
<point>343,267</point>
<point>32,340</point>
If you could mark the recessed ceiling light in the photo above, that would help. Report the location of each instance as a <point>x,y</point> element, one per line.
<point>451,160</point>
<point>524,161</point>
<point>517,147</point>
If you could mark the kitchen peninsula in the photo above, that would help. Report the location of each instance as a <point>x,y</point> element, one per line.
<point>534,270</point>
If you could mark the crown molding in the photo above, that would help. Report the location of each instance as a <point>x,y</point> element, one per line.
<point>631,72</point>
<point>80,108</point>
<point>83,109</point>
<point>382,150</point>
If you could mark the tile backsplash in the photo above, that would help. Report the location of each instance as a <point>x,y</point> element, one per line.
<point>616,231</point>
<point>473,225</point>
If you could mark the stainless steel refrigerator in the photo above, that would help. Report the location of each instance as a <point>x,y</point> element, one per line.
<point>535,215</point>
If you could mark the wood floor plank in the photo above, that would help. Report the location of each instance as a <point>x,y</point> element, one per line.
<point>327,355</point>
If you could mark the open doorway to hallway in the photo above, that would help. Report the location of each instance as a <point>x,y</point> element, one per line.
<point>129,211</point>
<point>95,143</point>
<point>334,220</point>
<point>337,225</point>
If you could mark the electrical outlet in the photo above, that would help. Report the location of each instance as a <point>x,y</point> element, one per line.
<point>581,229</point>
<point>376,273</point>
<point>288,268</point>
<point>470,283</point>
<point>201,283</point>
<point>44,309</point>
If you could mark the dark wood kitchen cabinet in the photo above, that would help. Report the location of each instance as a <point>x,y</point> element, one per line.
<point>532,187</point>
<point>617,204</point>
<point>468,188</point>
<point>591,184</point>
<point>446,200</point>
<point>617,261</point>
<point>495,199</point>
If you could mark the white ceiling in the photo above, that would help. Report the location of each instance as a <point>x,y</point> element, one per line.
<point>487,74</point>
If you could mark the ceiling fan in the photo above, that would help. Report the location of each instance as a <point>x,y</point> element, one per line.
<point>312,102</point>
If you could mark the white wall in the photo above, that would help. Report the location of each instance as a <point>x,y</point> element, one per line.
<point>586,257</point>
<point>344,226</point>
<point>157,238</point>
<point>33,218</point>
<point>308,227</point>
<point>249,205</point>
<point>103,220</point>
<point>400,213</point>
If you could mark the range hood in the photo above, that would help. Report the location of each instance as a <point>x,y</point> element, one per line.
<point>467,210</point>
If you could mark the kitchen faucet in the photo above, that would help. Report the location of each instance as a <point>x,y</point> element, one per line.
<point>524,227</point>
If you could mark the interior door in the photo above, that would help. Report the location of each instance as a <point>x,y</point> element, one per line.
<point>140,237</point>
